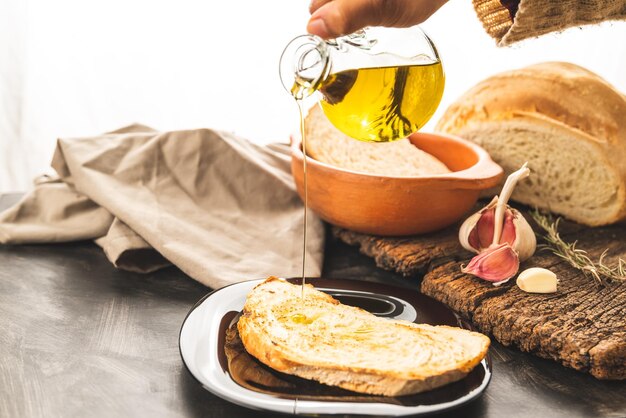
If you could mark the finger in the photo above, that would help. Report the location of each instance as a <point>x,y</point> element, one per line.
<point>340,17</point>
<point>316,4</point>
<point>336,18</point>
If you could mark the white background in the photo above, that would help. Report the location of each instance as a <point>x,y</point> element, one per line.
<point>79,68</point>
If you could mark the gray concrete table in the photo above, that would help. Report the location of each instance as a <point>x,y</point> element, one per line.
<point>79,338</point>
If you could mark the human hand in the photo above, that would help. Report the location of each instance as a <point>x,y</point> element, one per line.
<point>333,18</point>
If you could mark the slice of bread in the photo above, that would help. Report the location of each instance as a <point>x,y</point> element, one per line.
<point>568,123</point>
<point>327,144</point>
<point>320,339</point>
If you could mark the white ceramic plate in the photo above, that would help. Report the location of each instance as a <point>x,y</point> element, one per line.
<point>202,341</point>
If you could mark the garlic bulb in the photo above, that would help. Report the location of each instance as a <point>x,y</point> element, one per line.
<point>477,232</point>
<point>495,229</point>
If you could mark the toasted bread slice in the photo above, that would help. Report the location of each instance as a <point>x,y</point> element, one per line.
<point>320,339</point>
<point>401,158</point>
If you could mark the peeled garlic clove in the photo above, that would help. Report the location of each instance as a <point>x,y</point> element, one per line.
<point>537,280</point>
<point>496,264</point>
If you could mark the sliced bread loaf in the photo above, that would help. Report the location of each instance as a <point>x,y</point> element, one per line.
<point>567,122</point>
<point>320,339</point>
<point>327,144</point>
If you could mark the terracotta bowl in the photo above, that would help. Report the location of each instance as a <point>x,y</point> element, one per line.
<point>383,205</point>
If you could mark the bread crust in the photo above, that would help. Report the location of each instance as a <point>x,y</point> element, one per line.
<point>256,334</point>
<point>571,98</point>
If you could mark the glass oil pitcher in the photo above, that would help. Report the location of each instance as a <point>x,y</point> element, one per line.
<point>376,85</point>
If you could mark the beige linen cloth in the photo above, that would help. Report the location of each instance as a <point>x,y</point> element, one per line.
<point>217,206</point>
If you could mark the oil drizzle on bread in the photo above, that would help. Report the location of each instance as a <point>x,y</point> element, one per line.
<point>385,357</point>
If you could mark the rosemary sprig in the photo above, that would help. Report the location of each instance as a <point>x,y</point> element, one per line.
<point>577,258</point>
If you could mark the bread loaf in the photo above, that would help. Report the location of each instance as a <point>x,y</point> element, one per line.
<point>327,144</point>
<point>567,122</point>
<point>320,339</point>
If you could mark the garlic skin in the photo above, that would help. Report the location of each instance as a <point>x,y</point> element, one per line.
<point>470,228</point>
<point>525,242</point>
<point>497,264</point>
<point>497,225</point>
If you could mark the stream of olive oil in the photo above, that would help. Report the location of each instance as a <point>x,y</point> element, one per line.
<point>304,240</point>
<point>374,105</point>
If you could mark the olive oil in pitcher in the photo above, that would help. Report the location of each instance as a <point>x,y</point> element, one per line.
<point>382,104</point>
<point>376,85</point>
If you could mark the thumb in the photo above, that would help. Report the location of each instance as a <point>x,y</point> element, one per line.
<point>340,17</point>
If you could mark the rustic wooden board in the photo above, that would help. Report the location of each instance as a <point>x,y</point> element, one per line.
<point>582,326</point>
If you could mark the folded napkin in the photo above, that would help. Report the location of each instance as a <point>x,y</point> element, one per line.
<point>217,206</point>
